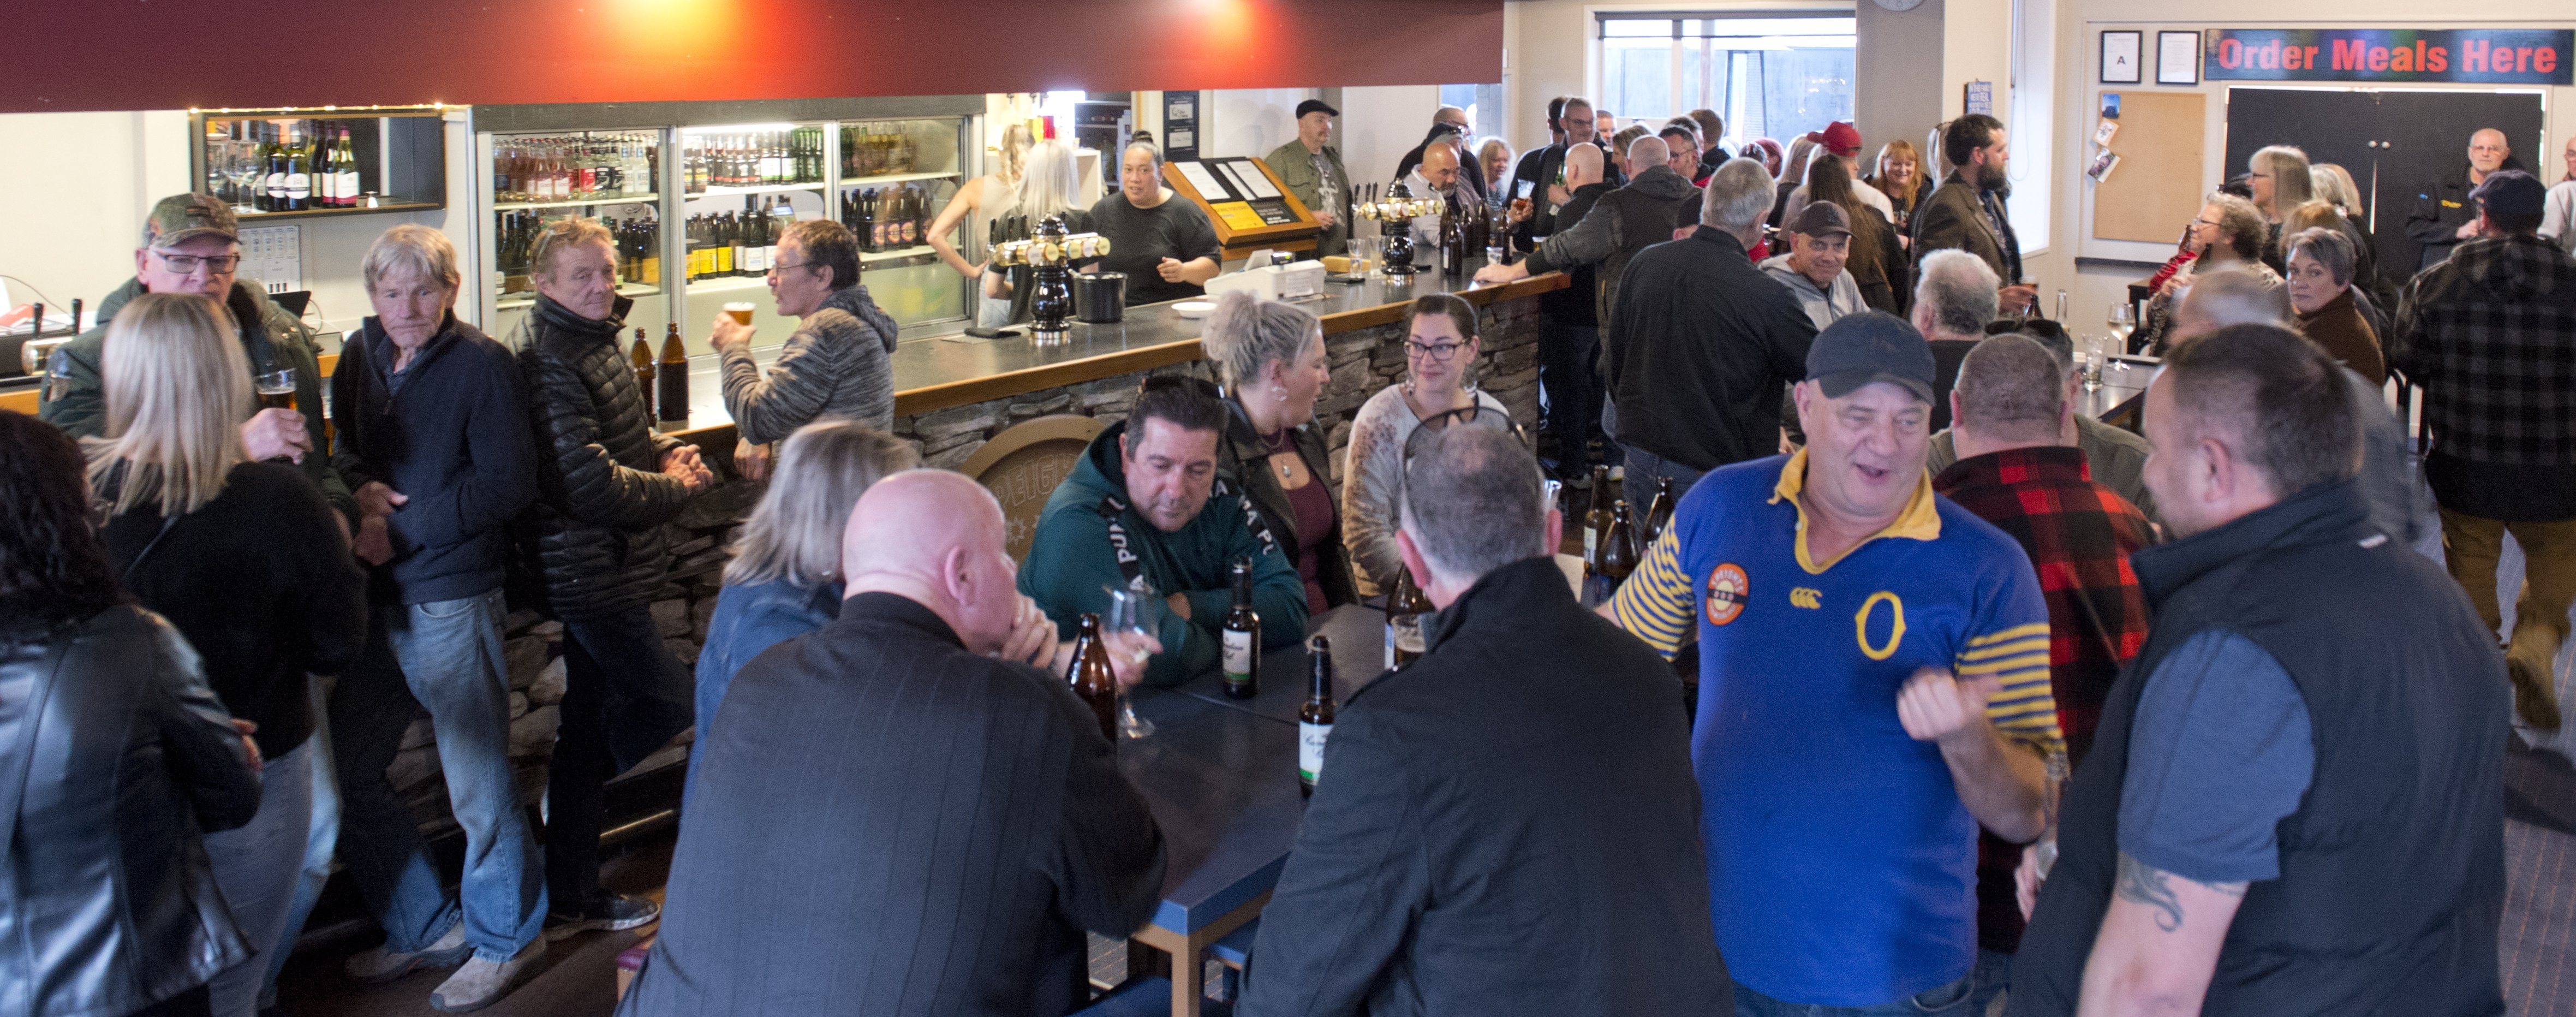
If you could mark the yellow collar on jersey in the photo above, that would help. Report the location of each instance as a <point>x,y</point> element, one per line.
<point>1919,521</point>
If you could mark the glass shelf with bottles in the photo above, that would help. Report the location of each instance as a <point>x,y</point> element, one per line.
<point>568,170</point>
<point>315,162</point>
<point>639,253</point>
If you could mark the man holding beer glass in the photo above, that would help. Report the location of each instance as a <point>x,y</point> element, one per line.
<point>192,244</point>
<point>835,365</point>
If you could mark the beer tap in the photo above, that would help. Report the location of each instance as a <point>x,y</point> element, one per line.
<point>1050,255</point>
<point>1395,217</point>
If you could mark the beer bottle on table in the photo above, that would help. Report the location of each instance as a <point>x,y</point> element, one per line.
<point>1242,635</point>
<point>673,379</point>
<point>1659,516</point>
<point>1315,719</point>
<point>1596,520</point>
<point>642,357</point>
<point>1091,678</point>
<point>1405,608</point>
<point>1618,551</point>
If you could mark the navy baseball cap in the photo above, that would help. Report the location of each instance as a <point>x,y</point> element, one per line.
<point>1871,346</point>
<point>2511,192</point>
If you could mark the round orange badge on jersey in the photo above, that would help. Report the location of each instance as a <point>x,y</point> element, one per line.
<point>1727,590</point>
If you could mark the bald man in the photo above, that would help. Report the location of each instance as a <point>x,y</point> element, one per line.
<point>2443,214</point>
<point>1446,171</point>
<point>894,819</point>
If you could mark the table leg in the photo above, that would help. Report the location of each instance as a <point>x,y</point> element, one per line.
<point>1189,953</point>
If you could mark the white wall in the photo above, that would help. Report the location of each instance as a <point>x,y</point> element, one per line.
<point>1380,124</point>
<point>74,236</point>
<point>1251,121</point>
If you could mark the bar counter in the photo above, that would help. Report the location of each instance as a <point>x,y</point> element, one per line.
<point>935,372</point>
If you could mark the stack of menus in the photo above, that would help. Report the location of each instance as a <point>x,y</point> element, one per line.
<point>1239,192</point>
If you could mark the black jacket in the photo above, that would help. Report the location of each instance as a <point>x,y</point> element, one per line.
<point>1244,454</point>
<point>887,823</point>
<point>595,532</point>
<point>1494,836</point>
<point>260,583</point>
<point>114,759</point>
<point>2442,206</point>
<point>2392,870</point>
<point>1620,223</point>
<point>1540,167</point>
<point>454,440</point>
<point>1579,303</point>
<point>1698,349</point>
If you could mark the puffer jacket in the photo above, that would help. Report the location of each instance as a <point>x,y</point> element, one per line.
<point>835,365</point>
<point>594,535</point>
<point>115,759</point>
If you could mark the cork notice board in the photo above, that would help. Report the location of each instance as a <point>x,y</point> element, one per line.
<point>2156,189</point>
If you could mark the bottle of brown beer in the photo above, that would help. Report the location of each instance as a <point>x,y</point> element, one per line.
<point>1596,521</point>
<point>1619,555</point>
<point>673,378</point>
<point>1091,678</point>
<point>1242,636</point>
<point>642,357</point>
<point>1315,718</point>
<point>1659,516</point>
<point>1406,607</point>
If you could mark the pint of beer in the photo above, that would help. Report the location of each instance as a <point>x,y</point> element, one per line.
<point>741,311</point>
<point>276,389</point>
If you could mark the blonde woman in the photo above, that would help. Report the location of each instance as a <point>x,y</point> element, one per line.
<point>2278,176</point>
<point>785,577</point>
<point>977,204</point>
<point>1271,356</point>
<point>246,560</point>
<point>1047,187</point>
<point>1898,173</point>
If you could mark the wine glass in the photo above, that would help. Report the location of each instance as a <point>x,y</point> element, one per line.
<point>2123,321</point>
<point>1138,614</point>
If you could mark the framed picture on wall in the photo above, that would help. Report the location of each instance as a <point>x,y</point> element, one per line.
<point>2177,58</point>
<point>2120,57</point>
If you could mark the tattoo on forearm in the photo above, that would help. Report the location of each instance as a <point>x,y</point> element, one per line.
<point>2145,884</point>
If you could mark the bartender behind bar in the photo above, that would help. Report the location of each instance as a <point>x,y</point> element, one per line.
<point>1166,247</point>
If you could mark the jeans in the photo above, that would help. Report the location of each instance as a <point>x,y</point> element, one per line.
<point>1637,484</point>
<point>1946,1001</point>
<point>1571,389</point>
<point>1994,977</point>
<point>320,841</point>
<point>256,869</point>
<point>625,696</point>
<point>444,656</point>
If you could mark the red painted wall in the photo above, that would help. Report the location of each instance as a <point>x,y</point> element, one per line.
<point>132,54</point>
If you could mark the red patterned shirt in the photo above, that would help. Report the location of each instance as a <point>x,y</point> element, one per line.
<point>2079,535</point>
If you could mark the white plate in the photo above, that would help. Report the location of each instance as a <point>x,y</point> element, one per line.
<point>1193,308</point>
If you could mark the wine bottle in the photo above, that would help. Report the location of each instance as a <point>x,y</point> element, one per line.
<point>1315,716</point>
<point>1241,633</point>
<point>351,185</point>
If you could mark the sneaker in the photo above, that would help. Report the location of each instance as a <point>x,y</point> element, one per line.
<point>481,983</point>
<point>612,913</point>
<point>384,963</point>
<point>2532,696</point>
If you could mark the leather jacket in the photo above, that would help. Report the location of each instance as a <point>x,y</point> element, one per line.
<point>115,758</point>
<point>595,532</point>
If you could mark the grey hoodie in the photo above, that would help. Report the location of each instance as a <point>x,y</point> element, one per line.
<point>838,364</point>
<point>1823,306</point>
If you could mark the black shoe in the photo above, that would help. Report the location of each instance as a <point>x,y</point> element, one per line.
<point>610,913</point>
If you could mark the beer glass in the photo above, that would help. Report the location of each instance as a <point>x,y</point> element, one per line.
<point>741,312</point>
<point>1137,614</point>
<point>2097,353</point>
<point>276,388</point>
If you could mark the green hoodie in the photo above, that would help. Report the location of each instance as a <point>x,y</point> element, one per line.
<point>1073,563</point>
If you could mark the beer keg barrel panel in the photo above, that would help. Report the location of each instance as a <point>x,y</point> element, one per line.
<point>1023,464</point>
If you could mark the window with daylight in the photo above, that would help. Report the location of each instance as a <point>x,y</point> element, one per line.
<point>1774,74</point>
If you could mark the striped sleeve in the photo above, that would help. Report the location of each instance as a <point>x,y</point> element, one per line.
<point>1655,603</point>
<point>2022,706</point>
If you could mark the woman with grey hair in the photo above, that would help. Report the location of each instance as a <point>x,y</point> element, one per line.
<point>2229,232</point>
<point>1440,348</point>
<point>1271,357</point>
<point>785,577</point>
<point>2320,282</point>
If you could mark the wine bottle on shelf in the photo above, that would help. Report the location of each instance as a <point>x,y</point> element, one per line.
<point>326,169</point>
<point>652,263</point>
<point>642,357</point>
<point>672,381</point>
<point>1315,716</point>
<point>276,177</point>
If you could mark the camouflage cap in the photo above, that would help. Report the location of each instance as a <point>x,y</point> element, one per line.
<point>182,217</point>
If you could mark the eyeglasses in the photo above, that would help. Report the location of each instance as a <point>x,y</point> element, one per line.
<point>775,269</point>
<point>1438,352</point>
<point>187,263</point>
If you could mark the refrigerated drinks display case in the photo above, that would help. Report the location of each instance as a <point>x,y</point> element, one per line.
<point>698,195</point>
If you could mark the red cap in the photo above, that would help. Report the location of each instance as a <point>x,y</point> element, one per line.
<point>1841,138</point>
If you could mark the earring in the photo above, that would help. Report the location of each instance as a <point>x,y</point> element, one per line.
<point>1279,391</point>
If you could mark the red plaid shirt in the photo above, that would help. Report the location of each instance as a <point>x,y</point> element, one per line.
<point>2079,536</point>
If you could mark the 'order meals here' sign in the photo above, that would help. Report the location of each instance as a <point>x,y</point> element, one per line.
<point>2491,56</point>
